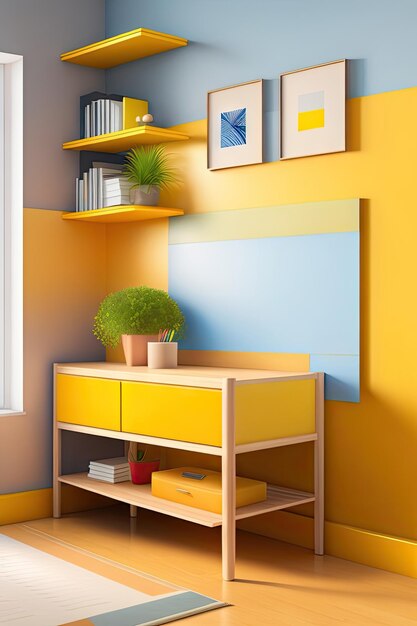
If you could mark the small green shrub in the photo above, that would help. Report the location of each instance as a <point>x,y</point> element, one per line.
<point>136,311</point>
<point>149,165</point>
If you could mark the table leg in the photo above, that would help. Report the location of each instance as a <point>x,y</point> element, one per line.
<point>228,481</point>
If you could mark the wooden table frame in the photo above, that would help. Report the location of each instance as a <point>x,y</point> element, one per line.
<point>136,496</point>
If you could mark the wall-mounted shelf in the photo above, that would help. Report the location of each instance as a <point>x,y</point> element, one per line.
<point>123,140</point>
<point>123,213</point>
<point>123,48</point>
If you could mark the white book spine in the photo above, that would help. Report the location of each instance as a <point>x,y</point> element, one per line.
<point>103,117</point>
<point>94,186</point>
<point>90,189</point>
<point>117,109</point>
<point>100,187</point>
<point>112,116</point>
<point>81,195</point>
<point>92,125</point>
<point>100,117</point>
<point>77,204</point>
<point>85,191</point>
<point>107,113</point>
<point>87,116</point>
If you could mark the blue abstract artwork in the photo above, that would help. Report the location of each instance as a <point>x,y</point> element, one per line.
<point>233,128</point>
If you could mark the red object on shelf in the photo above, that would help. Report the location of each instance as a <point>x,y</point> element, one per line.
<point>141,471</point>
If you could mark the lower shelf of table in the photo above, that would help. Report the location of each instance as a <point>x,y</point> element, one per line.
<point>140,495</point>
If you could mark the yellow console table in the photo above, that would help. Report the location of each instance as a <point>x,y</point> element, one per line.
<point>217,411</point>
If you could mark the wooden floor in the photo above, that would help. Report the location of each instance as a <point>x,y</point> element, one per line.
<point>277,585</point>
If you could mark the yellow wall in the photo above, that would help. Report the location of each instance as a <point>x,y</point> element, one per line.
<point>64,280</point>
<point>371,460</point>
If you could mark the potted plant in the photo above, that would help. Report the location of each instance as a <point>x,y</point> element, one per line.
<point>148,168</point>
<point>141,467</point>
<point>136,314</point>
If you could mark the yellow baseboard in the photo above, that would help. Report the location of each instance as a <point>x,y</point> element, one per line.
<point>25,506</point>
<point>29,505</point>
<point>393,554</point>
<point>362,546</point>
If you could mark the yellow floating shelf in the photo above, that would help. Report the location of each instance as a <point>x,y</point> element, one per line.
<point>123,48</point>
<point>123,140</point>
<point>123,213</point>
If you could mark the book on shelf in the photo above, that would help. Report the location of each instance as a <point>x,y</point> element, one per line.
<point>85,191</point>
<point>108,471</point>
<point>102,187</point>
<point>109,479</point>
<point>102,113</point>
<point>113,463</point>
<point>77,194</point>
<point>86,109</point>
<point>116,201</point>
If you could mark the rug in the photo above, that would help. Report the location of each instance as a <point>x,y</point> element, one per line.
<point>77,588</point>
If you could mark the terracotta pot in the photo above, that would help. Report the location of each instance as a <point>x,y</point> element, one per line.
<point>135,348</point>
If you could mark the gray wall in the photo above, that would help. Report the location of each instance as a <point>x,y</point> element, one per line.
<point>41,30</point>
<point>60,301</point>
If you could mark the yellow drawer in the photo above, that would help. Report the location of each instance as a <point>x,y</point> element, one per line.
<point>88,401</point>
<point>206,493</point>
<point>273,410</point>
<point>172,412</point>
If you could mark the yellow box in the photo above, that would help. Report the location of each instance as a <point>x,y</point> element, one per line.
<point>205,493</point>
<point>88,401</point>
<point>132,107</point>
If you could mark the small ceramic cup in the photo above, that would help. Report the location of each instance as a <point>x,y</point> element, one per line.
<point>162,355</point>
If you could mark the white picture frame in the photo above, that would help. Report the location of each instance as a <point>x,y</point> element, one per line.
<point>313,110</point>
<point>234,126</point>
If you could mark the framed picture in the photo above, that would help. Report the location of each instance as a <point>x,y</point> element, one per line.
<point>313,110</point>
<point>234,134</point>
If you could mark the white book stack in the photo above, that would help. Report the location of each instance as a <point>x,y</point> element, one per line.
<point>103,116</point>
<point>114,470</point>
<point>116,191</point>
<point>90,190</point>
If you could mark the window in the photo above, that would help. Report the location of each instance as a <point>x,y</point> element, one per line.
<point>2,242</point>
<point>11,233</point>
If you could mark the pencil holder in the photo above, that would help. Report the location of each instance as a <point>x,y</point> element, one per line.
<point>162,355</point>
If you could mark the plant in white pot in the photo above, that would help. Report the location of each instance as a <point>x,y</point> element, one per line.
<point>136,315</point>
<point>149,171</point>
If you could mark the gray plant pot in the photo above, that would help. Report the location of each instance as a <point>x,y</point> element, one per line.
<point>147,195</point>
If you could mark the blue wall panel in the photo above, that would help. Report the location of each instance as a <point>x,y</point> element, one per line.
<point>341,381</point>
<point>283,294</point>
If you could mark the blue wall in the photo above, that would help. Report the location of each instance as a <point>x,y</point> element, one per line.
<point>232,41</point>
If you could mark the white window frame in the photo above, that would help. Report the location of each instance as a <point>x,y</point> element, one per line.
<point>13,233</point>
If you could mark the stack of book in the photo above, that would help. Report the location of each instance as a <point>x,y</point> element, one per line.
<point>115,470</point>
<point>116,191</point>
<point>103,116</point>
<point>102,186</point>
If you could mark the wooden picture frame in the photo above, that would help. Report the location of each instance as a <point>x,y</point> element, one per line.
<point>313,110</point>
<point>234,126</point>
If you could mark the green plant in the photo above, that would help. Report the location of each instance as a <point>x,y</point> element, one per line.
<point>149,165</point>
<point>136,311</point>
